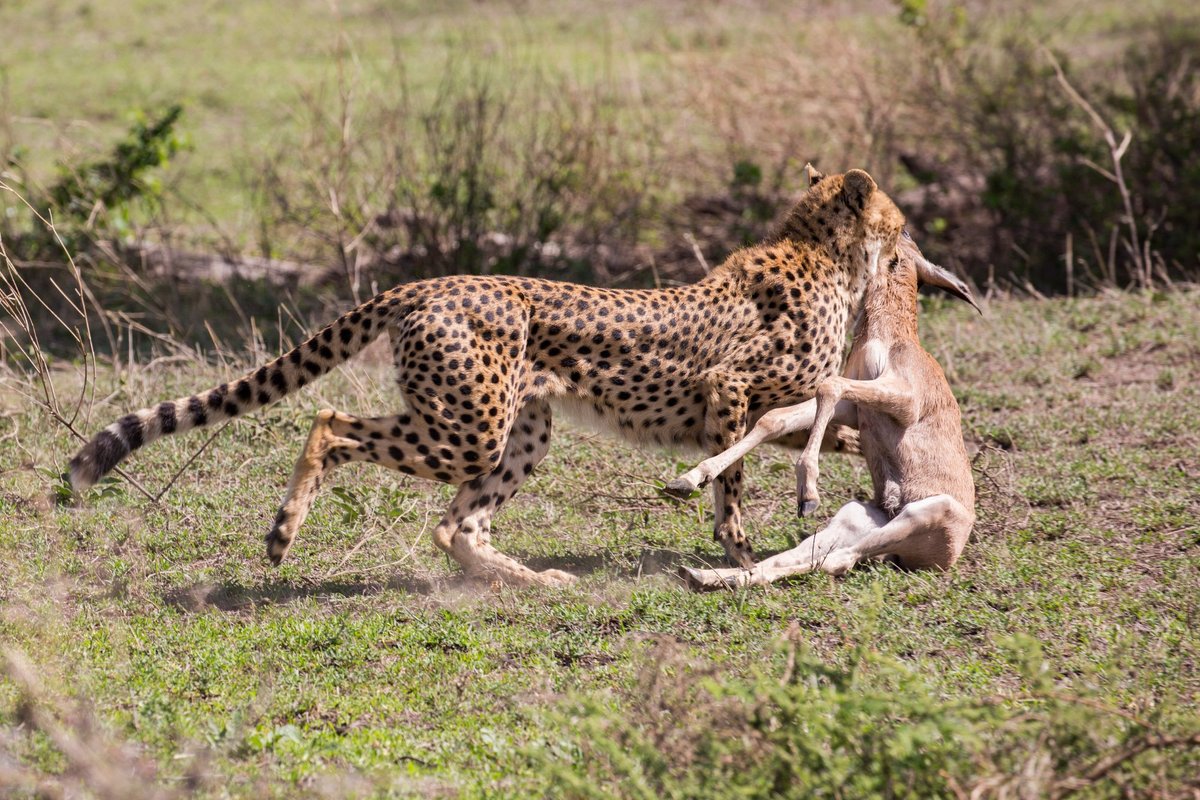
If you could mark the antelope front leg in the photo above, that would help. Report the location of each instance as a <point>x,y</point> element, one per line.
<point>807,498</point>
<point>890,395</point>
<point>773,425</point>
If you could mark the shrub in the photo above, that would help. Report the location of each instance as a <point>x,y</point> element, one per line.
<point>485,176</point>
<point>1032,149</point>
<point>98,198</point>
<point>871,728</point>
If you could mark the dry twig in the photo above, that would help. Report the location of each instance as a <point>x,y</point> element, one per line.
<point>1142,262</point>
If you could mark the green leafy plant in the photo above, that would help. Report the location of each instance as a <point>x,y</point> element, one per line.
<point>106,188</point>
<point>871,727</point>
<point>99,198</point>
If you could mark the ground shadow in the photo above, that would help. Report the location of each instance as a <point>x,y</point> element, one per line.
<point>651,561</point>
<point>234,597</point>
<point>240,597</point>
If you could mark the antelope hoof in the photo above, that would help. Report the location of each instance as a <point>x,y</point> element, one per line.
<point>681,488</point>
<point>808,508</point>
<point>703,580</point>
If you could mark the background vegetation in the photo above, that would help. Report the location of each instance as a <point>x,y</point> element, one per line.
<point>609,141</point>
<point>221,176</point>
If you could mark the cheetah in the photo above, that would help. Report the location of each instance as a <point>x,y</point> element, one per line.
<point>483,360</point>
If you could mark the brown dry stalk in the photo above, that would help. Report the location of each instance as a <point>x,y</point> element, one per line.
<point>13,291</point>
<point>1116,152</point>
<point>1104,766</point>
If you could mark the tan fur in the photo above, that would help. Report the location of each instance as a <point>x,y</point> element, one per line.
<point>910,433</point>
<point>482,359</point>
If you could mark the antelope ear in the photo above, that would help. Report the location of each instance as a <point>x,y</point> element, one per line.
<point>933,275</point>
<point>814,177</point>
<point>857,186</point>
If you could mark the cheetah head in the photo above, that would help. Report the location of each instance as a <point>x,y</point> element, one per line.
<point>850,216</point>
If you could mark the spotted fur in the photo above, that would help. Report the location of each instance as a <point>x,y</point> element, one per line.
<point>481,360</point>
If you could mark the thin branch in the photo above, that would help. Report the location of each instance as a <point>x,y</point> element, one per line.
<point>1116,152</point>
<point>188,463</point>
<point>1101,768</point>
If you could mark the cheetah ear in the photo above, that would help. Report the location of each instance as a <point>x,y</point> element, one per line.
<point>933,275</point>
<point>857,187</point>
<point>813,175</point>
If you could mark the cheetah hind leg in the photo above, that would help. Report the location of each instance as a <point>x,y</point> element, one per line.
<point>302,488</point>
<point>465,532</point>
<point>338,438</point>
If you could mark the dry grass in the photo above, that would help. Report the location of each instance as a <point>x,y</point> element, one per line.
<point>433,140</point>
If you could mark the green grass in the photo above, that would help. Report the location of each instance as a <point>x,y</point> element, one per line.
<point>366,665</point>
<point>245,72</point>
<point>252,77</point>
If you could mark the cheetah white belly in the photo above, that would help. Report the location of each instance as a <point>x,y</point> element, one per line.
<point>583,412</point>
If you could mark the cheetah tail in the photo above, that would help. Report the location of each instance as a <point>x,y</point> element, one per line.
<point>325,350</point>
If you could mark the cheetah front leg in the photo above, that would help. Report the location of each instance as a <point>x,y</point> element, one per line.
<point>727,403</point>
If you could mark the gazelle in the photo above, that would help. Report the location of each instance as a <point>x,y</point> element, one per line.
<point>910,434</point>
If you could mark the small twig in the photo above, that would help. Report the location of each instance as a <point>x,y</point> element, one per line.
<point>337,570</point>
<point>94,764</point>
<point>789,667</point>
<point>1101,768</point>
<point>696,250</point>
<point>1116,175</point>
<point>188,463</point>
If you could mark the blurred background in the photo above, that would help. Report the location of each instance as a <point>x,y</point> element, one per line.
<point>326,148</point>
